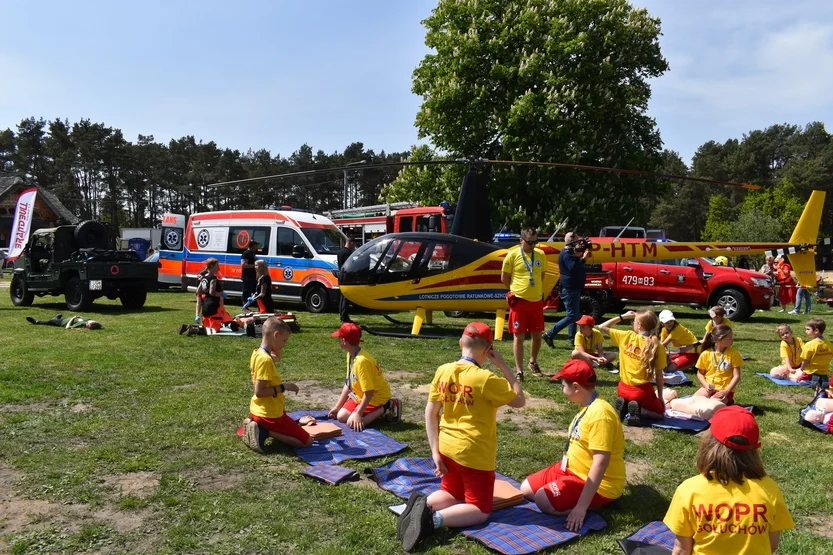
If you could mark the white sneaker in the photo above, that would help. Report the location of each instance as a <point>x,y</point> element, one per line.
<point>793,312</point>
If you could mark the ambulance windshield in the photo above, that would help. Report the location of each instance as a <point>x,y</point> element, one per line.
<point>324,240</point>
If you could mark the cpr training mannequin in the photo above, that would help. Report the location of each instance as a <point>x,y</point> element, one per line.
<point>698,406</point>
<point>821,412</point>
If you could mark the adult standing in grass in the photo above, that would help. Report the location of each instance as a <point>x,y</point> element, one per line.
<point>732,506</point>
<point>592,471</point>
<point>522,273</point>
<point>267,417</point>
<point>248,273</point>
<point>571,268</point>
<point>463,440</point>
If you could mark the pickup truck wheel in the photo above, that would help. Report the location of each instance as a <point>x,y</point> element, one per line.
<point>91,235</point>
<point>734,302</point>
<point>78,297</point>
<point>133,297</point>
<point>20,294</point>
<point>317,300</point>
<point>592,307</point>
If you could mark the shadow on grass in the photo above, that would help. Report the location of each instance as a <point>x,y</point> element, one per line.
<point>115,310</point>
<point>642,502</point>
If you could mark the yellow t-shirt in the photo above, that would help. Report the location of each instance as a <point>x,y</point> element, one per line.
<point>514,264</point>
<point>630,346</point>
<point>719,369</point>
<point>681,336</point>
<point>818,353</point>
<point>598,430</point>
<point>470,398</point>
<point>263,368</point>
<point>366,375</point>
<point>589,345</point>
<point>737,518</point>
<point>792,352</point>
<point>710,324</point>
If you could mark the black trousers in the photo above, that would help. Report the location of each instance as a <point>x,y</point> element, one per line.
<point>55,321</point>
<point>343,309</point>
<point>249,288</point>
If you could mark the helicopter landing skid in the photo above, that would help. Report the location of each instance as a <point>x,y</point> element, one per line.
<point>400,335</point>
<point>394,321</point>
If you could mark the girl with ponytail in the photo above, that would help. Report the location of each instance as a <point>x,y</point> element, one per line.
<point>642,359</point>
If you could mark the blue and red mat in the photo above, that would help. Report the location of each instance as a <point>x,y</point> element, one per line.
<point>515,530</point>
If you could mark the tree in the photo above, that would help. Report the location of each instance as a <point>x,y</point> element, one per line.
<point>429,184</point>
<point>545,80</point>
<point>719,222</point>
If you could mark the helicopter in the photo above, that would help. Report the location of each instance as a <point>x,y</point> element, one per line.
<point>461,270</point>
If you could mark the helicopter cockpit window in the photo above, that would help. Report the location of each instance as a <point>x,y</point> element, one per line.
<point>399,258</point>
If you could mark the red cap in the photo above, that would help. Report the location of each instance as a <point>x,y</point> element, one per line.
<point>350,332</point>
<point>578,371</point>
<point>481,330</point>
<point>586,320</point>
<point>735,421</point>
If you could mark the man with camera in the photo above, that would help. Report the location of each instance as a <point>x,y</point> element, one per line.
<point>522,274</point>
<point>571,267</point>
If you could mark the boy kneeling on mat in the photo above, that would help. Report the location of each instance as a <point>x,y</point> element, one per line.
<point>366,393</point>
<point>267,417</point>
<point>592,472</point>
<point>464,440</point>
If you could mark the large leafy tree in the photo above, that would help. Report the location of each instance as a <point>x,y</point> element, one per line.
<point>546,80</point>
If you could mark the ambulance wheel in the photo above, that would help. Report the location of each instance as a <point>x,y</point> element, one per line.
<point>317,299</point>
<point>20,294</point>
<point>592,307</point>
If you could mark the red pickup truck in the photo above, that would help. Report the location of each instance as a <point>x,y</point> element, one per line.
<point>690,281</point>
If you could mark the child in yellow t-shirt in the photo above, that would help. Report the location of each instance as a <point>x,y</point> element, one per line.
<point>589,344</point>
<point>464,440</point>
<point>732,506</point>
<point>816,354</point>
<point>366,393</point>
<point>682,339</point>
<point>717,315</point>
<point>718,367</point>
<point>267,417</point>
<point>791,347</point>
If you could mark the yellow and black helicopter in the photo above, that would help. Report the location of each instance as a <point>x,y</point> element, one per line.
<point>461,270</point>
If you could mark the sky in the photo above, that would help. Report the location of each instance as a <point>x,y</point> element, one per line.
<point>276,74</point>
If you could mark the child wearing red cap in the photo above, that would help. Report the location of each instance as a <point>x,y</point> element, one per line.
<point>366,393</point>
<point>592,472</point>
<point>267,417</point>
<point>642,359</point>
<point>464,440</point>
<point>732,506</point>
<point>589,344</point>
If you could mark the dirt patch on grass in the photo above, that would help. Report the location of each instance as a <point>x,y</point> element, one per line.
<point>792,398</point>
<point>140,484</point>
<point>211,480</point>
<point>400,375</point>
<point>315,394</point>
<point>34,407</point>
<point>186,386</point>
<point>18,514</point>
<point>534,413</point>
<point>80,407</point>
<point>638,435</point>
<point>635,470</point>
<point>821,525</point>
<point>776,437</point>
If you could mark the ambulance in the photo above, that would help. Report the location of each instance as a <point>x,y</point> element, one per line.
<point>299,247</point>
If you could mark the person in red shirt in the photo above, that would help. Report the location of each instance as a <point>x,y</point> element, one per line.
<point>786,283</point>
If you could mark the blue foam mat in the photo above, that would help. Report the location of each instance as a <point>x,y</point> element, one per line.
<point>366,444</point>
<point>784,382</point>
<point>514,530</point>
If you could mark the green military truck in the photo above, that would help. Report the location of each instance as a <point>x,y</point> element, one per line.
<point>81,263</point>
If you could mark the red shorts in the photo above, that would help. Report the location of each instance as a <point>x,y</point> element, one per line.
<point>351,405</point>
<point>283,425</point>
<point>685,360</point>
<point>526,316</point>
<point>563,488</point>
<point>786,294</point>
<point>475,487</point>
<point>644,395</point>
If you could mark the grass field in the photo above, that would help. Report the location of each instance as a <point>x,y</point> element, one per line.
<point>123,439</point>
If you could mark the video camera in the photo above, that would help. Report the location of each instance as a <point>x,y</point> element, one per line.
<point>581,245</point>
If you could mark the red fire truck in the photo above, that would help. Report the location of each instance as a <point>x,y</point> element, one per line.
<point>368,222</point>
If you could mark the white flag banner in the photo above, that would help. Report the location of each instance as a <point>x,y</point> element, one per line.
<point>22,222</point>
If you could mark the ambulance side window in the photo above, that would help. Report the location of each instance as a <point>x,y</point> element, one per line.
<point>288,238</point>
<point>239,237</point>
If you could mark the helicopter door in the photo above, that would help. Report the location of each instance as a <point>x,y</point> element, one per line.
<point>397,263</point>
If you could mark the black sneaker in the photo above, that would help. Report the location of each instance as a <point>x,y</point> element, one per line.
<point>183,328</point>
<point>519,375</point>
<point>407,511</point>
<point>31,320</point>
<point>535,369</point>
<point>417,525</point>
<point>548,341</point>
<point>634,414</point>
<point>621,408</point>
